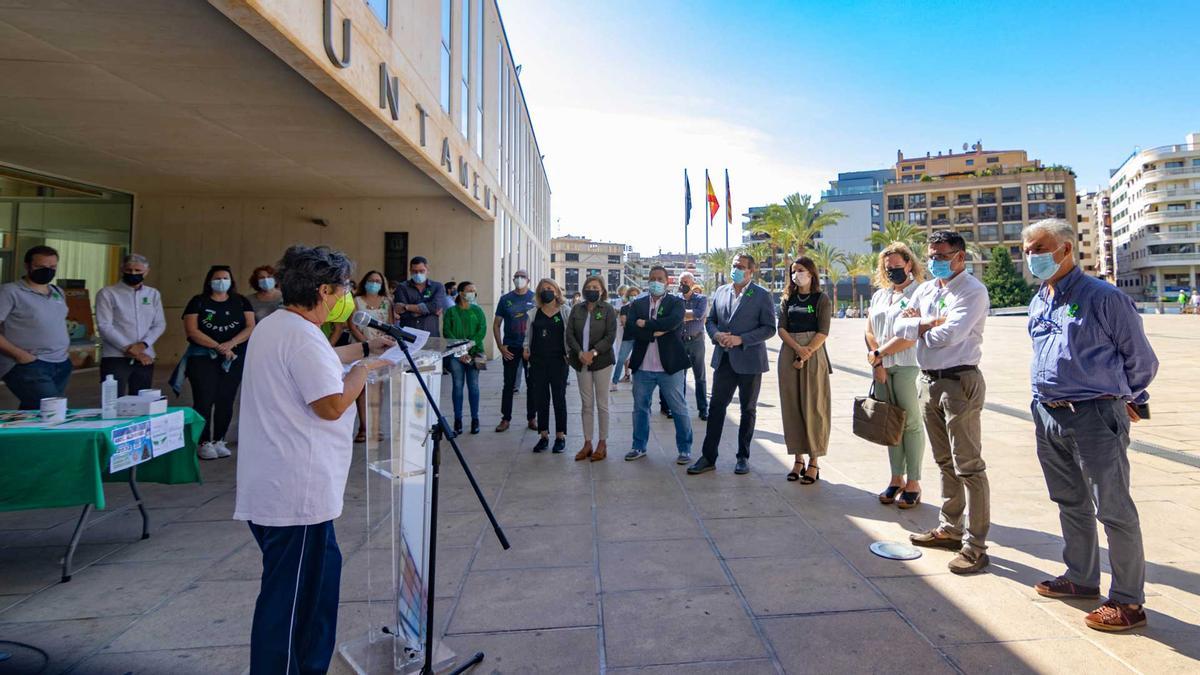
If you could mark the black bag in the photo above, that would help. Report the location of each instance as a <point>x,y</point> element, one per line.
<point>878,421</point>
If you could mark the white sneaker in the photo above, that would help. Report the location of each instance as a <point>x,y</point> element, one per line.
<point>207,451</point>
<point>222,449</point>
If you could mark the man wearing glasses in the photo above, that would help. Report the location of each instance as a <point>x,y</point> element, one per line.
<point>508,329</point>
<point>946,321</point>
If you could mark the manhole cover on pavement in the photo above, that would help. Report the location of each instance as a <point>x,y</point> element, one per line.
<point>894,550</point>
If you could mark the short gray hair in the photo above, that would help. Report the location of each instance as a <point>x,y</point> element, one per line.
<point>1061,230</point>
<point>136,259</point>
<point>304,269</point>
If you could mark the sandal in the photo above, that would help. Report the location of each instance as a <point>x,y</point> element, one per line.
<point>888,496</point>
<point>360,437</point>
<point>794,475</point>
<point>908,500</point>
<point>809,480</point>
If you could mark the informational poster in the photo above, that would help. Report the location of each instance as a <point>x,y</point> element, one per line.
<point>144,440</point>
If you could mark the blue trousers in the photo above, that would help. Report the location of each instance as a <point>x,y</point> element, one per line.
<point>295,618</point>
<point>671,387</point>
<point>32,382</point>
<point>459,373</point>
<point>1084,458</point>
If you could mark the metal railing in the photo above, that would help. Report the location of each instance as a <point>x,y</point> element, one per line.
<point>1168,214</point>
<point>1170,194</point>
<point>1173,171</point>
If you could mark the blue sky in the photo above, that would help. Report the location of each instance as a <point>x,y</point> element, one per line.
<point>624,95</point>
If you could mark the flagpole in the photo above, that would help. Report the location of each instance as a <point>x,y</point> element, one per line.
<point>728,216</point>
<point>687,212</point>
<point>707,213</point>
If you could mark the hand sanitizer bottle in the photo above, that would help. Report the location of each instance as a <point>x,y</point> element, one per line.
<point>108,398</point>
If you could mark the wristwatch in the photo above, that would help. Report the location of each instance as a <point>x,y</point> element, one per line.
<point>366,350</point>
<point>877,355</point>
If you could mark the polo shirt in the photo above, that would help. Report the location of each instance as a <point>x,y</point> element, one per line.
<point>34,322</point>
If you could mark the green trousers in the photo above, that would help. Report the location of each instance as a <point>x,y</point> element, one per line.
<point>901,389</point>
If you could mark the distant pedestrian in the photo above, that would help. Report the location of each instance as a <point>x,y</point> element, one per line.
<point>266,298</point>
<point>1091,364</point>
<point>513,313</point>
<point>804,317</point>
<point>420,301</point>
<point>129,317</point>
<point>34,358</point>
<point>621,370</point>
<point>591,332</point>
<point>545,354</point>
<point>695,305</point>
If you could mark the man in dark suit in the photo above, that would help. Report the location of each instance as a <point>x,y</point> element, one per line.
<point>741,320</point>
<point>659,359</point>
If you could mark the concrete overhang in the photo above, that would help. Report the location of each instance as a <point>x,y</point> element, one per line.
<point>172,97</point>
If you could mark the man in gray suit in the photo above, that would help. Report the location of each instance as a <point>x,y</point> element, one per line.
<point>741,320</point>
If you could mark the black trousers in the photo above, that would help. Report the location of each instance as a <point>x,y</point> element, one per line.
<point>725,381</point>
<point>548,381</point>
<point>510,381</point>
<point>213,393</point>
<point>295,616</point>
<point>130,375</point>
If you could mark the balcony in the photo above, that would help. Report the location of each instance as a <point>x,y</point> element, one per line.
<point>852,191</point>
<point>1171,237</point>
<point>963,201</point>
<point>1167,215</point>
<point>940,221</point>
<point>940,202</point>
<point>965,220</point>
<point>1166,195</point>
<point>987,199</point>
<point>1176,172</point>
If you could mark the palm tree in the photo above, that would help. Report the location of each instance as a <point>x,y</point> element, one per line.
<point>908,234</point>
<point>717,262</point>
<point>794,224</point>
<point>827,259</point>
<point>762,252</point>
<point>859,265</point>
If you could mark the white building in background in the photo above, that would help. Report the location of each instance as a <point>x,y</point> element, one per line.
<point>1155,206</point>
<point>1087,237</point>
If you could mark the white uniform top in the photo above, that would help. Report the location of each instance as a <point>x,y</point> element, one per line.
<point>292,465</point>
<point>958,341</point>
<point>885,309</point>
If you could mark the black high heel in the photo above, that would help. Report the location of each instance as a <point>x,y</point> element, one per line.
<point>888,496</point>
<point>794,476</point>
<point>809,480</point>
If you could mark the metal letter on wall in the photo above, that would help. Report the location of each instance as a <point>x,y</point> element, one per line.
<point>462,172</point>
<point>424,115</point>
<point>446,161</point>
<point>389,89</point>
<point>344,60</point>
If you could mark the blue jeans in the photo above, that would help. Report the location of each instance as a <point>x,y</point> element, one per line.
<point>458,372</point>
<point>672,388</point>
<point>32,382</point>
<point>626,350</point>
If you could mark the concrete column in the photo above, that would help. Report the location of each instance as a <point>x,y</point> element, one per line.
<point>1192,275</point>
<point>1158,283</point>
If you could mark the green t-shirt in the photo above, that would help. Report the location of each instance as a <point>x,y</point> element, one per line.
<point>465,324</point>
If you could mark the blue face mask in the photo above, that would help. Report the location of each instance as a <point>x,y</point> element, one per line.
<point>267,283</point>
<point>220,285</point>
<point>372,287</point>
<point>940,269</point>
<point>1042,265</point>
<point>737,275</point>
<point>418,277</point>
<point>657,288</point>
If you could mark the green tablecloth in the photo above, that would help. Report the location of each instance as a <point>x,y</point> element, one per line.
<point>44,468</point>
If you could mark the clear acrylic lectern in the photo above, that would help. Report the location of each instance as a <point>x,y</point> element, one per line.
<point>399,453</point>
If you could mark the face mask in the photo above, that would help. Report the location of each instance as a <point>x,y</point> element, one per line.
<point>341,310</point>
<point>132,279</point>
<point>419,277</point>
<point>657,288</point>
<point>372,287</point>
<point>547,296</point>
<point>520,282</point>
<point>737,275</point>
<point>470,296</point>
<point>1042,265</point>
<point>220,285</point>
<point>42,275</point>
<point>591,296</point>
<point>801,279</point>
<point>267,283</point>
<point>897,275</point>
<point>940,269</point>
<point>684,288</point>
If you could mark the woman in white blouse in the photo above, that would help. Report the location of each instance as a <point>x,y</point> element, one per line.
<point>894,364</point>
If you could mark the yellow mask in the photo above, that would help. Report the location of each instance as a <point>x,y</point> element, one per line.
<point>341,310</point>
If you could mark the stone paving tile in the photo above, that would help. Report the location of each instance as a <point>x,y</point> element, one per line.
<point>121,528</point>
<point>739,667</point>
<point>187,541</point>
<point>175,661</point>
<point>206,614</point>
<point>27,570</point>
<point>762,537</point>
<point>67,642</point>
<point>498,600</point>
<point>851,642</point>
<point>538,546</point>
<point>671,563</point>
<point>518,511</point>
<point>1170,642</point>
<point>106,590</point>
<point>677,626</point>
<point>633,523</point>
<point>788,585</point>
<point>741,503</point>
<point>566,651</point>
<point>1034,656</point>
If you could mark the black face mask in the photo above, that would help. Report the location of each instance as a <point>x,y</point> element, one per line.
<point>591,296</point>
<point>547,297</point>
<point>42,275</point>
<point>133,279</point>
<point>684,288</point>
<point>897,275</point>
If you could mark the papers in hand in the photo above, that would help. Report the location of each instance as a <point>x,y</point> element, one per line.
<point>395,355</point>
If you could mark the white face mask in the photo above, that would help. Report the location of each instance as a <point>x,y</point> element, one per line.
<point>801,279</point>
<point>520,282</point>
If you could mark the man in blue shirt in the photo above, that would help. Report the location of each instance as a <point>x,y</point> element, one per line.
<point>695,304</point>
<point>419,301</point>
<point>1091,364</point>
<point>513,312</point>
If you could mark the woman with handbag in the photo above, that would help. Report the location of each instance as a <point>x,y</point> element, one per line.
<point>894,364</point>
<point>591,333</point>
<point>804,369</point>
<point>465,321</point>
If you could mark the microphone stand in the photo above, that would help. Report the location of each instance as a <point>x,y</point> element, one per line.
<point>443,430</point>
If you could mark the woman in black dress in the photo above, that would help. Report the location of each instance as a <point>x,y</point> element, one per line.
<point>546,354</point>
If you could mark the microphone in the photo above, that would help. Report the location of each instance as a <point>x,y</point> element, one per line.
<point>364,320</point>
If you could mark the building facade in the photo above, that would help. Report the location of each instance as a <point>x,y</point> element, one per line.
<point>574,259</point>
<point>859,195</point>
<point>1155,206</point>
<point>1087,232</point>
<point>221,132</point>
<point>986,196</point>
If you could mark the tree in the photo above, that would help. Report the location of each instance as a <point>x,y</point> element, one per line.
<point>793,225</point>
<point>762,252</point>
<point>1006,287</point>
<point>912,236</point>
<point>827,259</point>
<point>860,265</point>
<point>717,264</point>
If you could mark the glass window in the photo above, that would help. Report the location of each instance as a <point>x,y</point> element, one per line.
<point>572,280</point>
<point>572,257</point>
<point>1010,194</point>
<point>477,53</point>
<point>988,197</point>
<point>380,9</point>
<point>917,217</point>
<point>916,201</point>
<point>614,280</point>
<point>1011,212</point>
<point>987,214</point>
<point>614,260</point>
<point>989,233</point>
<point>895,202</point>
<point>446,74</point>
<point>464,101</point>
<point>970,162</point>
<point>593,272</point>
<point>1012,231</point>
<point>993,160</point>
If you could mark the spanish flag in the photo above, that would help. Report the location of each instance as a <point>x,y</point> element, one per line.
<point>713,204</point>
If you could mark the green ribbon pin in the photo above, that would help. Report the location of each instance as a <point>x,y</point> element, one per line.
<point>749,292</point>
<point>904,304</point>
<point>599,314</point>
<point>1073,311</point>
<point>941,303</point>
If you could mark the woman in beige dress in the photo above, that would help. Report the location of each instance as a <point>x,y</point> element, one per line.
<point>804,370</point>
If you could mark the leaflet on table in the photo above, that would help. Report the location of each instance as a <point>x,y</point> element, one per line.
<point>144,440</point>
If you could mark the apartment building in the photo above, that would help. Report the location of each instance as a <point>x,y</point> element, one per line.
<point>574,259</point>
<point>1087,232</point>
<point>858,195</point>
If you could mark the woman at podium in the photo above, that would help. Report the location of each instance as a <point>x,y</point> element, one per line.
<point>297,414</point>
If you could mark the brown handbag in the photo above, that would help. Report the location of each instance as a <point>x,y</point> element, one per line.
<point>878,421</point>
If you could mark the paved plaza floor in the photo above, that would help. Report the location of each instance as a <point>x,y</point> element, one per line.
<point>624,567</point>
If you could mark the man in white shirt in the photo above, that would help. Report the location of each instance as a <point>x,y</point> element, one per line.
<point>129,317</point>
<point>946,320</point>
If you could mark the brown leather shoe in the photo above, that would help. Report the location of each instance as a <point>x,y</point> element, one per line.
<point>1114,617</point>
<point>503,426</point>
<point>1061,588</point>
<point>601,452</point>
<point>968,562</point>
<point>584,452</point>
<point>533,425</point>
<point>935,539</point>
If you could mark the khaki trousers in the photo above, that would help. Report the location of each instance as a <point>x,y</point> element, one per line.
<point>804,400</point>
<point>952,407</point>
<point>593,396</point>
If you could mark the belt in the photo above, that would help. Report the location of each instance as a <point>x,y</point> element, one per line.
<point>1071,404</point>
<point>947,373</point>
<point>693,338</point>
